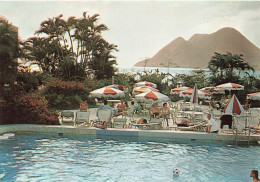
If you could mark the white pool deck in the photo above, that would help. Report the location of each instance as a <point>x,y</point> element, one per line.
<point>222,136</point>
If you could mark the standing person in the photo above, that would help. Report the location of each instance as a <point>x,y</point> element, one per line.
<point>254,175</point>
<point>84,106</point>
<point>165,112</point>
<point>212,126</point>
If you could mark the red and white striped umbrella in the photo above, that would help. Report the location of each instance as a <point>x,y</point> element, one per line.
<point>143,89</point>
<point>194,96</point>
<point>152,97</point>
<point>107,92</point>
<point>253,96</point>
<point>120,87</point>
<point>234,107</point>
<point>213,90</point>
<point>145,83</point>
<point>230,86</point>
<point>178,90</point>
<point>201,94</point>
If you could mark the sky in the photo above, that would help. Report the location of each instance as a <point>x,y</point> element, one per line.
<point>142,28</point>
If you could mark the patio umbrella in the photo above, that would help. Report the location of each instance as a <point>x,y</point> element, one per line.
<point>143,89</point>
<point>253,96</point>
<point>213,90</point>
<point>107,92</point>
<point>120,87</point>
<point>201,94</point>
<point>152,97</point>
<point>179,89</point>
<point>230,86</point>
<point>194,96</point>
<point>145,83</point>
<point>234,107</point>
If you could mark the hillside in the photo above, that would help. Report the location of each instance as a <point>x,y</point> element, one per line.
<point>198,50</point>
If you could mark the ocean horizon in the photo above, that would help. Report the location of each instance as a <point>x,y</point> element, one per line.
<point>172,71</point>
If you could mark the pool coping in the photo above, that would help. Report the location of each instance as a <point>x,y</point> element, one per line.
<point>157,134</point>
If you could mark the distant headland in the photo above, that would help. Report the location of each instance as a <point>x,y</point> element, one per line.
<point>198,50</point>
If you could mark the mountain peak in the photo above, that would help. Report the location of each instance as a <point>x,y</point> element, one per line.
<point>199,49</point>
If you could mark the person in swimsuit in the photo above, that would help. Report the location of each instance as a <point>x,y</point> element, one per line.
<point>103,126</point>
<point>254,175</point>
<point>155,111</point>
<point>185,123</point>
<point>165,112</point>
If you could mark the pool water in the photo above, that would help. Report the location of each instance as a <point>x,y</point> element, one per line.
<point>89,158</point>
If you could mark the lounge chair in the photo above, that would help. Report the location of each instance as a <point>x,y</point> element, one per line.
<point>120,122</point>
<point>153,123</point>
<point>200,126</point>
<point>82,117</point>
<point>67,117</point>
<point>105,115</point>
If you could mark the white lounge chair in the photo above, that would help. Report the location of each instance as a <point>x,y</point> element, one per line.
<point>105,115</point>
<point>67,117</point>
<point>82,117</point>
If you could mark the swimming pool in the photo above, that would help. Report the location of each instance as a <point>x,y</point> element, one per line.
<point>93,158</point>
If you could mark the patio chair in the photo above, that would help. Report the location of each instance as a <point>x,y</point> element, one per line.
<point>156,123</point>
<point>67,117</point>
<point>82,117</point>
<point>120,122</point>
<point>105,115</point>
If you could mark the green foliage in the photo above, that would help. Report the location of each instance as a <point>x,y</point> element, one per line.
<point>8,53</point>
<point>70,47</point>
<point>189,80</point>
<point>27,109</point>
<point>154,77</point>
<point>65,94</point>
<point>227,67</point>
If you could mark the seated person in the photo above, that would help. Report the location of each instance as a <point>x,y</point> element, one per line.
<point>155,111</point>
<point>138,108</point>
<point>212,103</point>
<point>103,126</point>
<point>247,104</point>
<point>84,106</point>
<point>212,126</point>
<point>114,109</point>
<point>185,123</point>
<point>165,112</point>
<point>121,106</point>
<point>105,106</point>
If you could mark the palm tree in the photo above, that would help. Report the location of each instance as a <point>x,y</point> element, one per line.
<point>226,65</point>
<point>8,53</point>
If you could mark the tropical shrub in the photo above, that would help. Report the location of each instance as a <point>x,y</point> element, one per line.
<point>27,109</point>
<point>65,94</point>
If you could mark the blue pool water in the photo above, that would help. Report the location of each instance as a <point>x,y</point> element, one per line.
<point>88,158</point>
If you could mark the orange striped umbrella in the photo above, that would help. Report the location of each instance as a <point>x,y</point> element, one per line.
<point>143,89</point>
<point>145,83</point>
<point>178,90</point>
<point>253,96</point>
<point>201,94</point>
<point>106,92</point>
<point>234,107</point>
<point>194,96</point>
<point>152,97</point>
<point>230,86</point>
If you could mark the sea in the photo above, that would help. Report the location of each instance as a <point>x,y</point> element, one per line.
<point>166,70</point>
